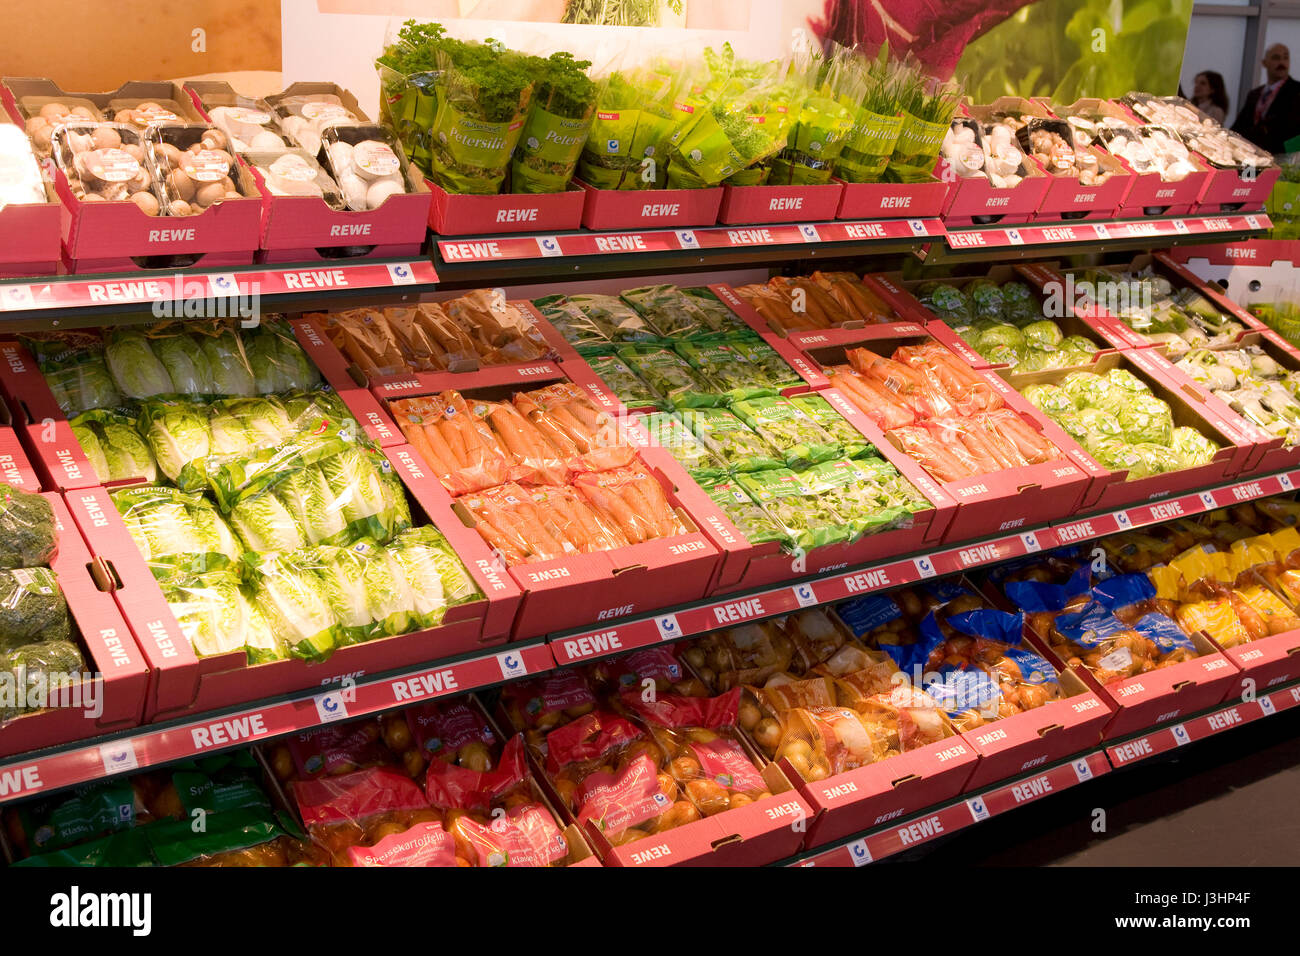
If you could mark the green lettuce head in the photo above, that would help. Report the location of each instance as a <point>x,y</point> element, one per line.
<point>1193,448</point>
<point>1044,334</point>
<point>1146,419</point>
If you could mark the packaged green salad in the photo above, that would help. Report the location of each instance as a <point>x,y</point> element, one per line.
<point>853,443</point>
<point>626,385</point>
<point>776,371</point>
<point>732,375</point>
<point>717,316</point>
<point>809,517</point>
<point>671,377</point>
<point>850,492</point>
<point>742,511</point>
<point>738,446</point>
<point>670,313</point>
<point>802,441</point>
<point>668,432</point>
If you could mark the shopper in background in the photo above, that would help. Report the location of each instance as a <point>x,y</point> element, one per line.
<point>1210,96</point>
<point>1271,114</point>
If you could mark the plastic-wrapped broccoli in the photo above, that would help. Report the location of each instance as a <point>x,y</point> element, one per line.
<point>27,536</point>
<point>33,670</point>
<point>32,607</point>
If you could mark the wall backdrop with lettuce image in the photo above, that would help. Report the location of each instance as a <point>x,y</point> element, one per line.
<point>1063,49</point>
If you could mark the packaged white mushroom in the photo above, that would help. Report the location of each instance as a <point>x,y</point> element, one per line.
<point>195,168</point>
<point>20,176</point>
<point>1222,147</point>
<point>106,162</point>
<point>1004,162</point>
<point>962,147</point>
<point>366,162</point>
<point>251,126</point>
<point>307,117</point>
<point>44,113</point>
<point>295,173</point>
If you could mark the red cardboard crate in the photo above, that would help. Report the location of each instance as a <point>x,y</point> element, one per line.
<point>118,692</point>
<point>30,237</point>
<point>1248,252</point>
<point>182,683</point>
<point>995,501</point>
<point>1227,190</point>
<point>1036,738</point>
<point>452,214</point>
<point>648,208</point>
<point>15,468</point>
<point>861,799</point>
<point>1110,489</point>
<point>1266,662</point>
<point>790,203</point>
<point>893,200</point>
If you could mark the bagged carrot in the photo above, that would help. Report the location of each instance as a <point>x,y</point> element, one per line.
<point>1032,446</point>
<point>532,457</point>
<point>968,391</point>
<point>885,409</point>
<point>566,514</point>
<point>853,296</point>
<point>944,463</point>
<point>507,518</point>
<point>775,309</point>
<point>483,462</point>
<point>920,392</point>
<point>633,500</point>
<point>570,419</point>
<point>816,303</point>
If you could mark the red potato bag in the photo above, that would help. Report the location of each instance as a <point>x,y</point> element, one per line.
<point>657,665</point>
<point>540,705</point>
<point>454,733</point>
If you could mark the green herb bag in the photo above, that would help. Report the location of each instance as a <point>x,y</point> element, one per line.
<point>670,313</point>
<point>563,106</point>
<point>717,316</point>
<point>853,443</point>
<point>483,100</point>
<point>670,376</point>
<point>627,144</point>
<point>868,146</point>
<point>610,312</point>
<point>750,519</point>
<point>809,519</point>
<point>626,385</point>
<point>815,142</point>
<point>851,492</point>
<point>733,376</point>
<point>801,440</point>
<point>579,329</point>
<point>734,443</point>
<point>668,432</point>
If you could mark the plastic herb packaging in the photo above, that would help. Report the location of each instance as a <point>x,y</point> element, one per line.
<point>306,118</point>
<point>366,162</point>
<point>667,431</point>
<point>677,383</point>
<point>195,167</point>
<point>559,117</point>
<point>746,514</point>
<point>106,162</point>
<point>733,442</point>
<point>1118,421</point>
<point>295,173</point>
<point>853,443</point>
<point>627,147</point>
<point>801,440</point>
<point>670,313</point>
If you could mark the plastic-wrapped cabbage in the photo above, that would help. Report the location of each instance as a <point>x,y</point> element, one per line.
<point>27,535</point>
<point>342,575</point>
<point>1044,334</point>
<point>210,610</point>
<point>1123,378</point>
<point>81,387</point>
<point>1117,455</point>
<point>946,301</point>
<point>135,368</point>
<point>1088,389</point>
<point>177,532</point>
<point>1018,303</point>
<point>999,334</point>
<point>1073,426</point>
<point>32,607</point>
<point>186,363</point>
<point>1099,425</point>
<point>37,669</point>
<point>266,525</point>
<point>1049,398</point>
<point>388,597</point>
<point>373,501</point>
<point>90,447</point>
<point>278,362</point>
<point>263,465</point>
<point>1157,459</point>
<point>295,605</point>
<point>306,495</point>
<point>985,297</point>
<point>412,556</point>
<point>261,644</point>
<point>177,434</point>
<point>1080,343</point>
<point>126,452</point>
<point>231,373</point>
<point>1145,418</point>
<point>1006,355</point>
<point>1193,448</point>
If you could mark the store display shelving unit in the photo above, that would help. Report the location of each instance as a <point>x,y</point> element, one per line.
<point>521,259</point>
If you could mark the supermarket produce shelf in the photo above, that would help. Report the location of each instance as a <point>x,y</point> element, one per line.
<point>83,300</point>
<point>618,636</point>
<point>971,808</point>
<point>1029,240</point>
<point>476,259</point>
<point>221,730</point>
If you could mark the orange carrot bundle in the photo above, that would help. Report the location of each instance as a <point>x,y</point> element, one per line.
<point>533,458</point>
<point>969,392</point>
<point>1034,447</point>
<point>570,517</point>
<point>945,462</point>
<point>923,393</point>
<point>879,404</point>
<point>587,436</point>
<point>634,500</point>
<point>816,303</point>
<point>776,309</point>
<point>513,525</point>
<point>854,297</point>
<point>461,450</point>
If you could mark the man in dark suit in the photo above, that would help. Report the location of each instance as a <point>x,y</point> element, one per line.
<point>1271,114</point>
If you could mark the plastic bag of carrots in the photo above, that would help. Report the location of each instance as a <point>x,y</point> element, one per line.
<point>632,501</point>
<point>587,437</point>
<point>458,445</point>
<point>854,297</point>
<point>539,524</point>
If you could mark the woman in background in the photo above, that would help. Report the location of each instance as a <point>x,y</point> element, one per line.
<point>1210,96</point>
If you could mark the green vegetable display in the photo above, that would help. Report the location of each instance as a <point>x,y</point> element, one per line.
<point>753,522</point>
<point>667,431</point>
<point>27,535</point>
<point>176,532</point>
<point>626,385</point>
<point>32,607</point>
<point>807,517</point>
<point>677,383</point>
<point>670,313</point>
<point>563,106</point>
<point>1253,384</point>
<point>34,671</point>
<point>801,440</point>
<point>852,442</point>
<point>729,373</point>
<point>627,147</point>
<point>733,442</point>
<point>1117,420</point>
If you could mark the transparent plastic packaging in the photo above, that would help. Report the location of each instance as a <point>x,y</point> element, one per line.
<point>366,162</point>
<point>293,172</point>
<point>107,162</point>
<point>44,114</point>
<point>143,114</point>
<point>252,126</point>
<point>306,118</point>
<point>195,168</point>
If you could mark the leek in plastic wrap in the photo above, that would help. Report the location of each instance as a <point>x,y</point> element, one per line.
<point>176,532</point>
